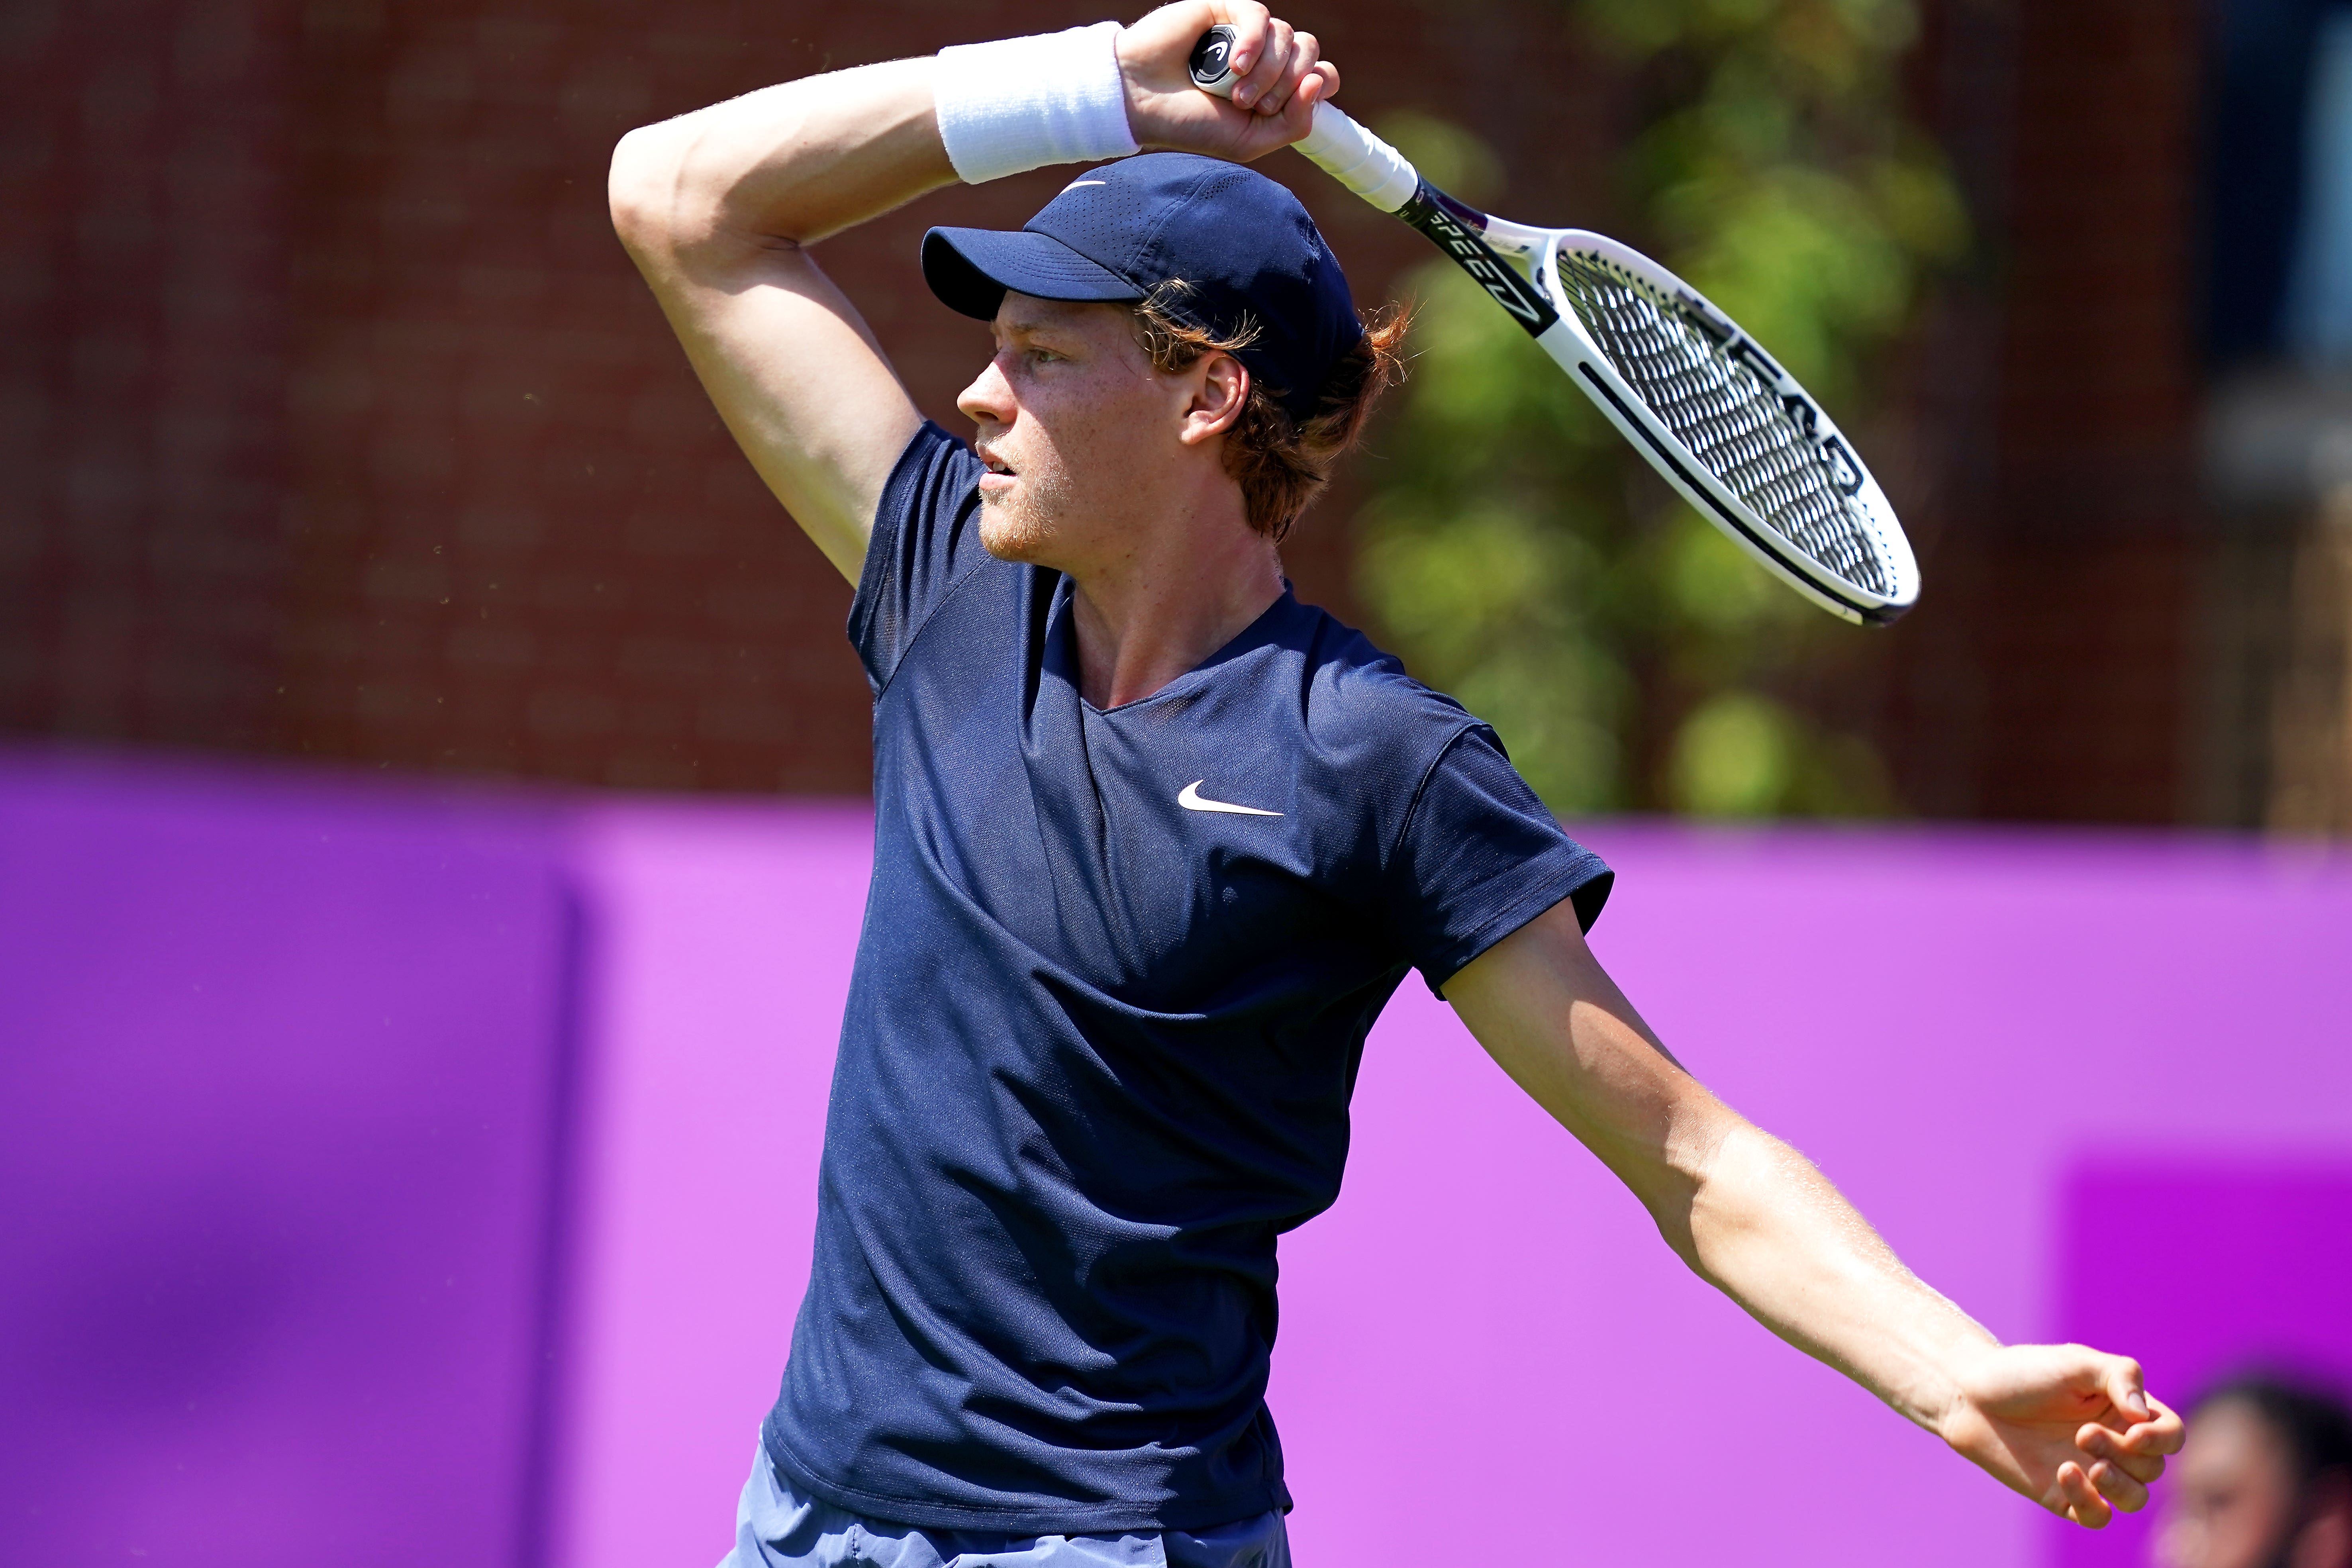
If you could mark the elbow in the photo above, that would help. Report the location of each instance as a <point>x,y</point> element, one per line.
<point>1698,1197</point>
<point>1678,1225</point>
<point>642,189</point>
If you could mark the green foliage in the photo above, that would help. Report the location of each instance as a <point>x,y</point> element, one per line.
<point>1520,557</point>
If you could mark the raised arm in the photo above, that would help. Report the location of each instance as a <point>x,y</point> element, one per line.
<point>2066,1425</point>
<point>718,208</point>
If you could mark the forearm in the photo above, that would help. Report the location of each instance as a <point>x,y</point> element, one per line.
<point>785,165</point>
<point>1765,1226</point>
<point>2066,1425</point>
<point>1748,1212</point>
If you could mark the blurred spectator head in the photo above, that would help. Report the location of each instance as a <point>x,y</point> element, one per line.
<point>2264,1480</point>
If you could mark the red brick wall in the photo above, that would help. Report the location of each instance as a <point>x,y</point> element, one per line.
<point>142,343</point>
<point>337,424</point>
<point>2098,417</point>
<point>2045,674</point>
<point>487,522</point>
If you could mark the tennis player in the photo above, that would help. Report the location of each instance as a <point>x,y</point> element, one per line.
<point>1155,841</point>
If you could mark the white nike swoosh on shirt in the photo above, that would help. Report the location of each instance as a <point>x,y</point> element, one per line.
<point>1190,800</point>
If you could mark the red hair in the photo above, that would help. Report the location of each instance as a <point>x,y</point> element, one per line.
<point>1282,463</point>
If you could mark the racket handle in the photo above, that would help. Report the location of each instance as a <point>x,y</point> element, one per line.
<point>1336,144</point>
<point>1359,159</point>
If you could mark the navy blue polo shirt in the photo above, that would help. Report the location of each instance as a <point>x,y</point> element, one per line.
<point>1112,987</point>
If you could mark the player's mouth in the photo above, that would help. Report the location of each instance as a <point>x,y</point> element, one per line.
<point>997,476</point>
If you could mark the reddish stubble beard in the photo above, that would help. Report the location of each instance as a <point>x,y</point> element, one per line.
<point>1072,405</point>
<point>1022,518</point>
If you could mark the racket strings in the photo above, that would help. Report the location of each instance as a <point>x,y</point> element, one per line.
<point>1730,422</point>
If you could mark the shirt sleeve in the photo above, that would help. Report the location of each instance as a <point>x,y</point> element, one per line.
<point>926,541</point>
<point>1479,857</point>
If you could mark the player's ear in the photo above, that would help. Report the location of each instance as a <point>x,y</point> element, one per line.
<point>1219,396</point>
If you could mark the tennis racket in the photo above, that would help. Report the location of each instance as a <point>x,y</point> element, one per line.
<point>1712,412</point>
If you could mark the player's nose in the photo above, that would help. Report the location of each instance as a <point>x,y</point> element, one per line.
<point>989,399</point>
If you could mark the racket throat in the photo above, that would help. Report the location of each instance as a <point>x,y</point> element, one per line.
<point>1459,232</point>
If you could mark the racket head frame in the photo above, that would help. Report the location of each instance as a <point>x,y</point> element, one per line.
<point>1533,292</point>
<point>1564,337</point>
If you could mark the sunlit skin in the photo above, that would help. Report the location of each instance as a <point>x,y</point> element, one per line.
<point>1105,467</point>
<point>2233,1501</point>
<point>2067,1425</point>
<point>1113,472</point>
<point>719,207</point>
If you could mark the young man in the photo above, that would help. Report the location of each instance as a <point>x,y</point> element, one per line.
<point>1155,842</point>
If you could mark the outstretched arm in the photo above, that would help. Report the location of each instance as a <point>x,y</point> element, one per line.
<point>718,207</point>
<point>2066,1425</point>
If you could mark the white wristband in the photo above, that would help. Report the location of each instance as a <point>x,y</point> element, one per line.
<point>1022,103</point>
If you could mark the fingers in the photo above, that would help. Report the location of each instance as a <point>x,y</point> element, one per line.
<point>2091,1497</point>
<point>1272,61</point>
<point>1248,20</point>
<point>2126,1386</point>
<point>2079,1500</point>
<point>2164,1435</point>
<point>2104,1443</point>
<point>2149,1439</point>
<point>1299,114</point>
<point>2137,1452</point>
<point>1305,53</point>
<point>1267,82</point>
<point>2119,1486</point>
<point>1278,74</point>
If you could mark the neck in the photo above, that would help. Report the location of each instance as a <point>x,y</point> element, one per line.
<point>1178,595</point>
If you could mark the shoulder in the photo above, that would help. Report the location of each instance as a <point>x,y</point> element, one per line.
<point>1359,694</point>
<point>925,543</point>
<point>935,473</point>
<point>1371,733</point>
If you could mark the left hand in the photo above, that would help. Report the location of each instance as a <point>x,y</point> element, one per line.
<point>2073,1429</point>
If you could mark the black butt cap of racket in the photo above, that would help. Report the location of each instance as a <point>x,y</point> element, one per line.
<point>1213,57</point>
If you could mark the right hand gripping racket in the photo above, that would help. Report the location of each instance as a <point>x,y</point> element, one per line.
<point>1712,412</point>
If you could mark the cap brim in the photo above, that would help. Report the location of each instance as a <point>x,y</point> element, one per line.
<point>971,269</point>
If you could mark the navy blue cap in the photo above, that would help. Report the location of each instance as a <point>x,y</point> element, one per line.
<point>1243,243</point>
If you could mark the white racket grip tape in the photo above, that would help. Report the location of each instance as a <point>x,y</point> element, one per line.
<point>1335,144</point>
<point>1359,160</point>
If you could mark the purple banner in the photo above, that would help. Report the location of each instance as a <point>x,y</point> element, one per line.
<point>1486,1328</point>
<point>293,1071</point>
<point>278,1096</point>
<point>2205,1267</point>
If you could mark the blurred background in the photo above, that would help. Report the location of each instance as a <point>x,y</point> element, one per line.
<point>338,427</point>
<point>431,837</point>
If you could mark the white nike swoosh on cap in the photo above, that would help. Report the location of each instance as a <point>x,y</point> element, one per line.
<point>1073,185</point>
<point>1190,800</point>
